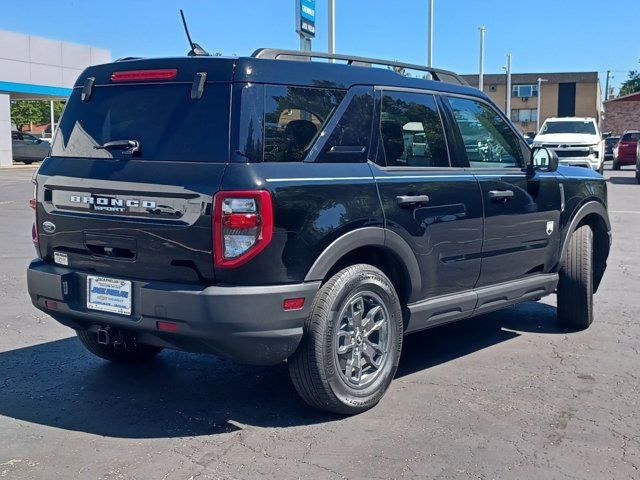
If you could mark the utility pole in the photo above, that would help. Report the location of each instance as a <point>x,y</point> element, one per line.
<point>508,94</point>
<point>430,35</point>
<point>332,27</point>
<point>540,80</point>
<point>481,75</point>
<point>606,88</point>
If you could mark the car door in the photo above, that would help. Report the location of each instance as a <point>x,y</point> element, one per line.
<point>435,208</point>
<point>521,210</point>
<point>18,145</point>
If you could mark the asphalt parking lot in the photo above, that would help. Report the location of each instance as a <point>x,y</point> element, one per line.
<point>506,395</point>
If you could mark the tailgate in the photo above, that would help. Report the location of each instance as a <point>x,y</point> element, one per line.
<point>127,226</point>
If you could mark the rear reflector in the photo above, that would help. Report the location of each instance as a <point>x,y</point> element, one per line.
<point>167,326</point>
<point>51,305</point>
<point>138,75</point>
<point>293,304</point>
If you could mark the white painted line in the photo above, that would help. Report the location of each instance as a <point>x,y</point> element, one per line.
<point>623,211</point>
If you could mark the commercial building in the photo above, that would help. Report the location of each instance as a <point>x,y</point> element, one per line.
<point>35,68</point>
<point>622,113</point>
<point>562,95</point>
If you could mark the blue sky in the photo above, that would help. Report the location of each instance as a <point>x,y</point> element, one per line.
<point>542,35</point>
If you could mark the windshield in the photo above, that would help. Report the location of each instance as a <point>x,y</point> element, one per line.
<point>569,126</point>
<point>163,118</point>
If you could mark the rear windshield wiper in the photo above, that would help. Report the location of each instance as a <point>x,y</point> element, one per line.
<point>127,146</point>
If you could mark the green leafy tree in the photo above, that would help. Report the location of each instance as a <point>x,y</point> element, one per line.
<point>632,84</point>
<point>24,112</point>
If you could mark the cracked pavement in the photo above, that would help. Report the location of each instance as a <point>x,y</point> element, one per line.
<point>506,395</point>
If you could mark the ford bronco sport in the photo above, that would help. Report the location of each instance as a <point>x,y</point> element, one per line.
<point>266,209</point>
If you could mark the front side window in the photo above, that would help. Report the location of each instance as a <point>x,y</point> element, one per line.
<point>294,117</point>
<point>488,140</point>
<point>411,131</point>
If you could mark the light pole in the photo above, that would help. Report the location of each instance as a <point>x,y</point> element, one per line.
<point>481,75</point>
<point>606,88</point>
<point>430,36</point>
<point>508,94</point>
<point>332,27</point>
<point>540,80</point>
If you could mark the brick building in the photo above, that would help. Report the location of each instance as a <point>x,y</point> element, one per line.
<point>563,95</point>
<point>622,113</point>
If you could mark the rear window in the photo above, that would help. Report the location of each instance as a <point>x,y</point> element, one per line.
<point>163,118</point>
<point>631,137</point>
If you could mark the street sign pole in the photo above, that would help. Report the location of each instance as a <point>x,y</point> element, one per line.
<point>306,22</point>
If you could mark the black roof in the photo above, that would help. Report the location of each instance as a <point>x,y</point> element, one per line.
<point>261,70</point>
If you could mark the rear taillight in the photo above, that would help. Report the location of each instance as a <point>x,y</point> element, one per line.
<point>33,203</point>
<point>242,226</point>
<point>144,75</point>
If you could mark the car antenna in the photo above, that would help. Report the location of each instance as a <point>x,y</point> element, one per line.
<point>196,50</point>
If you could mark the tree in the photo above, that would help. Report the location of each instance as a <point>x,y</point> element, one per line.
<point>632,84</point>
<point>34,111</point>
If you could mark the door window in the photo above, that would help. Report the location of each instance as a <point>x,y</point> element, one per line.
<point>411,131</point>
<point>488,141</point>
<point>294,117</point>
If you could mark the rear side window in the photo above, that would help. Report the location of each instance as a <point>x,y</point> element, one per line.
<point>163,118</point>
<point>294,117</point>
<point>488,140</point>
<point>631,137</point>
<point>411,131</point>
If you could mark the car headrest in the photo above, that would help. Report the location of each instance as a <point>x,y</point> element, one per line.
<point>301,132</point>
<point>393,140</point>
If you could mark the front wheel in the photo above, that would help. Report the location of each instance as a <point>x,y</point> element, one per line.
<point>123,353</point>
<point>352,342</point>
<point>616,165</point>
<point>575,288</point>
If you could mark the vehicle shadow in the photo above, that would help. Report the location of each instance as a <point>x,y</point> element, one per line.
<point>178,394</point>
<point>623,180</point>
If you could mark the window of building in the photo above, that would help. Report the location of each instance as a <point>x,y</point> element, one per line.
<point>294,117</point>
<point>488,140</point>
<point>525,91</point>
<point>411,131</point>
<point>524,115</point>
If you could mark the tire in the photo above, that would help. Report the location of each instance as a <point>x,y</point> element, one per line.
<point>119,354</point>
<point>575,288</point>
<point>27,162</point>
<point>601,169</point>
<point>616,165</point>
<point>321,374</point>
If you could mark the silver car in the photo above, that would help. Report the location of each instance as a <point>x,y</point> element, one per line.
<point>28,148</point>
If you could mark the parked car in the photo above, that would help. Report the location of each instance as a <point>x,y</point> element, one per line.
<point>28,148</point>
<point>576,141</point>
<point>638,162</point>
<point>609,146</point>
<point>318,212</point>
<point>625,151</point>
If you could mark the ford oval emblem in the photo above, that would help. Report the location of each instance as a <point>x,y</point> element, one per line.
<point>49,227</point>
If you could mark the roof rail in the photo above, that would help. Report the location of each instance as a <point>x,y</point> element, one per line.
<point>436,73</point>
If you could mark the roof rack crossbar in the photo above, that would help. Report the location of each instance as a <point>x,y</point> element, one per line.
<point>436,73</point>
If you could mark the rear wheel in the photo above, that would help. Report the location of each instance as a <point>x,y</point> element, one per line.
<point>126,352</point>
<point>352,342</point>
<point>575,288</point>
<point>616,165</point>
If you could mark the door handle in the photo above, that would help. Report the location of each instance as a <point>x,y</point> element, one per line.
<point>411,200</point>
<point>501,195</point>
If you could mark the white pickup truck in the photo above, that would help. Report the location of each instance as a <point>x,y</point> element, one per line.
<point>577,141</point>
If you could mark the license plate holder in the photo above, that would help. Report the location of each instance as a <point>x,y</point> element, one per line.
<point>109,295</point>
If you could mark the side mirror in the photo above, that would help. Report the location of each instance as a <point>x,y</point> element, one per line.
<point>543,160</point>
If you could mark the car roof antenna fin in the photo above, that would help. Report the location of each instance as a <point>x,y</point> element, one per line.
<point>196,50</point>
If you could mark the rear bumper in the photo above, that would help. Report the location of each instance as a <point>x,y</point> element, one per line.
<point>626,159</point>
<point>245,324</point>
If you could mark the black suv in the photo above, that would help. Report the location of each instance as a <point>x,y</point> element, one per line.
<point>268,209</point>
